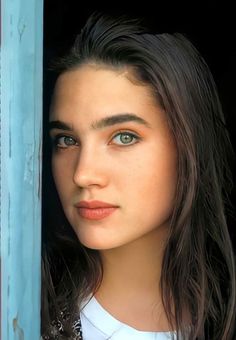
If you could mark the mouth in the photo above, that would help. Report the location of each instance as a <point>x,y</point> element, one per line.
<point>95,210</point>
<point>95,213</point>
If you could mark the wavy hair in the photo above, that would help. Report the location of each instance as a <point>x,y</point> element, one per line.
<point>198,270</point>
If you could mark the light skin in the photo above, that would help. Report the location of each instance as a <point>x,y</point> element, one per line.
<point>131,164</point>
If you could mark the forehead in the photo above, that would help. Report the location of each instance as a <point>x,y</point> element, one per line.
<point>94,92</point>
<point>98,81</point>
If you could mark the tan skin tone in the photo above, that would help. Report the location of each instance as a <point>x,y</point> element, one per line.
<point>129,164</point>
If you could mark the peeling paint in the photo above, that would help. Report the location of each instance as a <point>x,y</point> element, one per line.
<point>21,28</point>
<point>17,329</point>
<point>29,168</point>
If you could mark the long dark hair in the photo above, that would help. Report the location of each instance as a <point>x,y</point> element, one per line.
<point>198,271</point>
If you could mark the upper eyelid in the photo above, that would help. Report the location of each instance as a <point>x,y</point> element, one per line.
<point>57,132</point>
<point>54,136</point>
<point>125,131</point>
<point>65,133</point>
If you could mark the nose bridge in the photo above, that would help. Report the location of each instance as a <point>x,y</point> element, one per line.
<point>85,157</point>
<point>88,168</point>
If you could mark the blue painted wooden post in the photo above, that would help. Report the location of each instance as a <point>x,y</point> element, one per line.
<point>20,188</point>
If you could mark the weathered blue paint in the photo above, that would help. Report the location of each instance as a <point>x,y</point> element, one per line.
<point>20,127</point>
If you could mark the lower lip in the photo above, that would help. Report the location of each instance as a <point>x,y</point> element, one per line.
<point>95,214</point>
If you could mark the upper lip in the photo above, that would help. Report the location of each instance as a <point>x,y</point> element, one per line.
<point>94,204</point>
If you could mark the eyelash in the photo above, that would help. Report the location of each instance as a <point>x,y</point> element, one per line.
<point>56,139</point>
<point>134,136</point>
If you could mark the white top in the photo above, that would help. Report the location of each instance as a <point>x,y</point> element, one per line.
<point>98,324</point>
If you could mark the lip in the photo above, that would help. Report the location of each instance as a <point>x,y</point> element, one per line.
<point>94,204</point>
<point>95,214</point>
<point>95,210</point>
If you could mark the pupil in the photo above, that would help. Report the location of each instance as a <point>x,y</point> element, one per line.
<point>69,141</point>
<point>126,138</point>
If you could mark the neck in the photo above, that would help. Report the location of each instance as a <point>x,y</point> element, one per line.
<point>130,285</point>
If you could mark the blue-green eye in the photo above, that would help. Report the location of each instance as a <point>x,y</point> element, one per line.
<point>64,141</point>
<point>126,138</point>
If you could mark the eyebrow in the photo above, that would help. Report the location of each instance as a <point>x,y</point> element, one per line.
<point>102,123</point>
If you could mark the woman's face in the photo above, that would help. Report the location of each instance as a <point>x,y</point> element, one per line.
<point>111,144</point>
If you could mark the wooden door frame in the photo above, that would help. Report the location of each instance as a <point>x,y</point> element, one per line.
<point>20,167</point>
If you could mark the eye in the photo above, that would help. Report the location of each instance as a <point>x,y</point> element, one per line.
<point>64,141</point>
<point>126,138</point>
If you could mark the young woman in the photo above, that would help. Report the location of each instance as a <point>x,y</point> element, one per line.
<point>138,246</point>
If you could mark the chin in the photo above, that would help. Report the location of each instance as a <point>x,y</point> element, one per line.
<point>97,243</point>
<point>91,242</point>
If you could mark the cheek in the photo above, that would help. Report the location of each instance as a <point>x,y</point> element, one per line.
<point>62,174</point>
<point>151,183</point>
<point>153,169</point>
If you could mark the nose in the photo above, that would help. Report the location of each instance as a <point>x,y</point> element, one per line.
<point>90,169</point>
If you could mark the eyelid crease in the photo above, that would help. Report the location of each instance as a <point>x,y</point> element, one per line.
<point>134,135</point>
<point>66,134</point>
